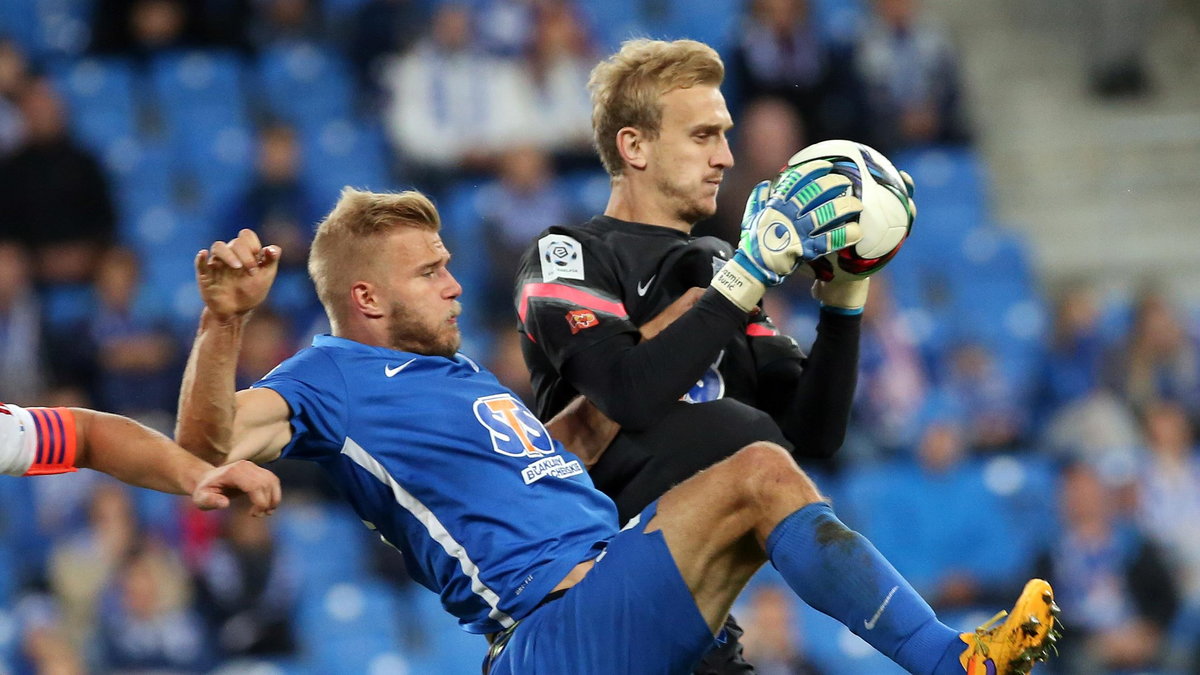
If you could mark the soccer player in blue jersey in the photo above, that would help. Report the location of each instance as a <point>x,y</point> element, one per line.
<point>500,518</point>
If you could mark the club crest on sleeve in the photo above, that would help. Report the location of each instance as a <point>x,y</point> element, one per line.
<point>561,257</point>
<point>579,319</point>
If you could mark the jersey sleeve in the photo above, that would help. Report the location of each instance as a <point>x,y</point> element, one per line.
<point>316,393</point>
<point>568,297</point>
<point>36,441</point>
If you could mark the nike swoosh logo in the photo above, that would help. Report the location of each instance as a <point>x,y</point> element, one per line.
<point>391,372</point>
<point>870,625</point>
<point>641,289</point>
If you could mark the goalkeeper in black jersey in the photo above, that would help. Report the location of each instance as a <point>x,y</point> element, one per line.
<point>606,308</point>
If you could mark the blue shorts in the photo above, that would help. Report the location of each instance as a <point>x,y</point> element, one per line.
<point>631,615</point>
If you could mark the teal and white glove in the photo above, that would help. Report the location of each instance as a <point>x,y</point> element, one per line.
<point>803,216</point>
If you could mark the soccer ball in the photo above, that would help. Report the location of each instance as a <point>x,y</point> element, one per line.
<point>888,208</point>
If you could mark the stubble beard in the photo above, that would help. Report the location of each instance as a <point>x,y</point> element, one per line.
<point>408,334</point>
<point>687,207</point>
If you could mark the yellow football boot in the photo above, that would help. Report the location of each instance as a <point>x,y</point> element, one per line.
<point>1027,636</point>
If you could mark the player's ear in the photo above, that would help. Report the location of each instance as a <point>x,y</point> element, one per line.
<point>365,300</point>
<point>631,143</point>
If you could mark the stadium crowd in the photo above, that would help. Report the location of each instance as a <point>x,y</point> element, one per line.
<point>999,432</point>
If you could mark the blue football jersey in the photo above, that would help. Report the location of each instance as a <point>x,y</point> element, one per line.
<point>449,467</point>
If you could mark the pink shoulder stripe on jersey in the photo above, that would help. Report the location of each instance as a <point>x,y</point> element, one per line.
<point>760,330</point>
<point>570,294</point>
<point>56,441</point>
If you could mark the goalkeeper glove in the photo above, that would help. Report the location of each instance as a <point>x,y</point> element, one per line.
<point>802,217</point>
<point>848,295</point>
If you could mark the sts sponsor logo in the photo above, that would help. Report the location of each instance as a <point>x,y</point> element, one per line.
<point>515,432</point>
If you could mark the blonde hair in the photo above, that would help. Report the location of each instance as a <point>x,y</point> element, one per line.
<point>342,249</point>
<point>626,88</point>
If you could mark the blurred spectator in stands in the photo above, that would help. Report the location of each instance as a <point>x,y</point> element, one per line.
<point>997,415</point>
<point>44,642</point>
<point>83,564</point>
<point>772,627</point>
<point>452,107</point>
<point>1159,361</point>
<point>768,132</point>
<point>1072,366</point>
<point>22,371</point>
<point>138,360</point>
<point>505,27</point>
<point>286,21</point>
<point>892,383</point>
<point>53,194</point>
<point>383,27</point>
<point>525,201</point>
<point>780,52</point>
<point>278,205</point>
<point>14,75</point>
<point>909,71</point>
<point>145,27</point>
<point>1169,492</point>
<point>1110,577</point>
<point>558,62</point>
<point>1116,37</point>
<point>246,591</point>
<point>146,624</point>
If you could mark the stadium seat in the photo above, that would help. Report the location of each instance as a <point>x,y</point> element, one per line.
<point>351,628</point>
<point>326,543</point>
<point>711,22</point>
<point>614,21</point>
<point>446,648</point>
<point>343,152</point>
<point>305,84</point>
<point>101,96</point>
<point>200,95</point>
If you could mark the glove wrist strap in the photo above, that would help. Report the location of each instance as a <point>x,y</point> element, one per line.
<point>739,285</point>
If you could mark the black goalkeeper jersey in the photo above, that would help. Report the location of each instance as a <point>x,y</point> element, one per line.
<point>583,291</point>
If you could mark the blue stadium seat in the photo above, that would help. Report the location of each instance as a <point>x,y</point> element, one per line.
<point>305,84</point>
<point>202,100</point>
<point>712,22</point>
<point>47,29</point>
<point>101,96</point>
<point>614,21</point>
<point>343,152</point>
<point>446,647</point>
<point>840,20</point>
<point>351,628</point>
<point>310,533</point>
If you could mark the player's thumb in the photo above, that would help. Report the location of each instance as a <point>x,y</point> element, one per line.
<point>209,501</point>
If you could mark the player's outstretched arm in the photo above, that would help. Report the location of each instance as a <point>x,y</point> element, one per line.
<point>140,456</point>
<point>215,423</point>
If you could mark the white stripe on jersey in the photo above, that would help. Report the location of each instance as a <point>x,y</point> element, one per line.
<point>18,440</point>
<point>361,457</point>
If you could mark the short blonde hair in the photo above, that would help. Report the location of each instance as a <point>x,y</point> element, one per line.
<point>342,249</point>
<point>626,88</point>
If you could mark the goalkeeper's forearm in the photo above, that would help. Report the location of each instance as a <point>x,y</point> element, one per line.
<point>207,404</point>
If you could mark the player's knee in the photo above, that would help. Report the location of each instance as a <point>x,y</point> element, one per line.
<point>766,471</point>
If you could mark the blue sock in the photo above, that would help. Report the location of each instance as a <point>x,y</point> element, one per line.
<point>838,572</point>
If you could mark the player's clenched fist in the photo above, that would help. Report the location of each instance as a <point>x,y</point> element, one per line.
<point>235,276</point>
<point>220,486</point>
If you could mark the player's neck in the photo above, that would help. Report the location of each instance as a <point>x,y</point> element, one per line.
<point>626,202</point>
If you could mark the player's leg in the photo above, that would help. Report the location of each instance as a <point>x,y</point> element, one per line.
<point>758,505</point>
<point>687,440</point>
